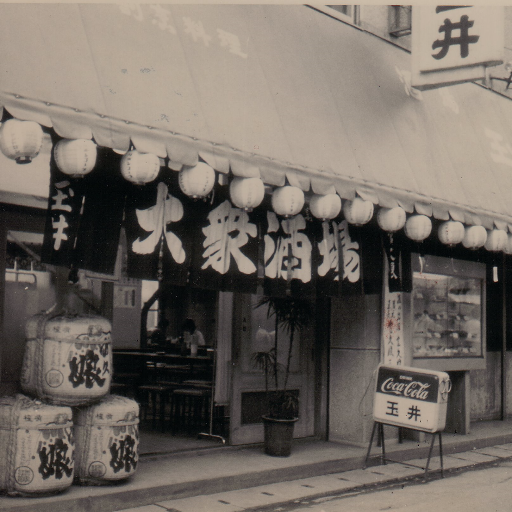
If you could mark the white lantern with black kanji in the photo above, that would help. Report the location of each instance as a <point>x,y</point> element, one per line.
<point>21,140</point>
<point>75,157</point>
<point>325,207</point>
<point>358,211</point>
<point>287,201</point>
<point>474,237</point>
<point>247,193</point>
<point>140,168</point>
<point>497,240</point>
<point>418,227</point>
<point>451,232</point>
<point>197,181</point>
<point>391,219</point>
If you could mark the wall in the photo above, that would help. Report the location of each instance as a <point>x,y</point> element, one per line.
<point>354,356</point>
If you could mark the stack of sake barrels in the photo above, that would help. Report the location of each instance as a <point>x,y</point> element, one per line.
<point>66,428</point>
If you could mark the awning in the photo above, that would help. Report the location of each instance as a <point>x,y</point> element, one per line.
<point>278,91</point>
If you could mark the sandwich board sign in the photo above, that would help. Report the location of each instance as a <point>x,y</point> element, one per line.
<point>411,397</point>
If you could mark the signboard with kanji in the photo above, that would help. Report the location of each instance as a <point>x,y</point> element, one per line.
<point>411,397</point>
<point>454,44</point>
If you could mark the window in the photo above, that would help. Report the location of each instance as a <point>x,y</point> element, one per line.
<point>447,307</point>
<point>347,13</point>
<point>400,20</point>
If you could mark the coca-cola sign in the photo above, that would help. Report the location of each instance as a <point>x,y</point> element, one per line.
<point>397,382</point>
<point>411,397</point>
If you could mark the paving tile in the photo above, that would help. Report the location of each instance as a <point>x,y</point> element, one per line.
<point>495,451</point>
<point>507,446</point>
<point>146,508</point>
<point>473,456</point>
<point>363,476</point>
<point>394,470</point>
<point>209,503</point>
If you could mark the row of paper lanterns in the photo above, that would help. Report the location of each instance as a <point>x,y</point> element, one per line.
<point>22,141</point>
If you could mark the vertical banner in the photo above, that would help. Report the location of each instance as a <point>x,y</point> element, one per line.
<point>226,253</point>
<point>84,216</point>
<point>392,352</point>
<point>162,230</point>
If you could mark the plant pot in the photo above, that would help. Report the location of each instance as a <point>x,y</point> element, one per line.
<point>278,436</point>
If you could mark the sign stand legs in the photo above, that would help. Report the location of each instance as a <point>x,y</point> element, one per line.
<point>377,425</point>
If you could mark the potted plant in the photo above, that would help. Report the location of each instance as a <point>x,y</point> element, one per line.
<point>291,316</point>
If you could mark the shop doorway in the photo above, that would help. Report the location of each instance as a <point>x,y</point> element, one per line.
<point>253,332</point>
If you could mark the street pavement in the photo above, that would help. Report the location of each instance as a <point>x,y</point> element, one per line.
<point>335,492</point>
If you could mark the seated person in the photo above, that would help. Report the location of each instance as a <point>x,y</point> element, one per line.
<point>192,335</point>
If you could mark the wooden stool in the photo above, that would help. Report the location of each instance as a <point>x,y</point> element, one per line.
<point>189,408</point>
<point>156,396</point>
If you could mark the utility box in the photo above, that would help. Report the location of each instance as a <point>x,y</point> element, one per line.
<point>411,398</point>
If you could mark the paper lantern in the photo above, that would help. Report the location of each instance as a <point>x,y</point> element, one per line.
<point>140,168</point>
<point>287,200</point>
<point>391,219</point>
<point>418,227</point>
<point>474,237</point>
<point>497,240</point>
<point>508,247</point>
<point>75,157</point>
<point>21,140</point>
<point>197,181</point>
<point>247,193</point>
<point>451,232</point>
<point>358,211</point>
<point>325,207</point>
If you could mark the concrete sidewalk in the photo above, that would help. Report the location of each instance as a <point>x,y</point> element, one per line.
<point>197,479</point>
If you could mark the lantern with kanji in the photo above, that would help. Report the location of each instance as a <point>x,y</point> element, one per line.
<point>247,193</point>
<point>474,237</point>
<point>451,232</point>
<point>391,219</point>
<point>197,181</point>
<point>287,201</point>
<point>325,207</point>
<point>75,157</point>
<point>418,227</point>
<point>140,168</point>
<point>21,140</point>
<point>358,211</point>
<point>497,240</point>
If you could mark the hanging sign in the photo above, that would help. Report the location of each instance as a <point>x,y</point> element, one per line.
<point>412,398</point>
<point>393,328</point>
<point>454,44</point>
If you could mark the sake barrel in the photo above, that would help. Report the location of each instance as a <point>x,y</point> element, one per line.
<point>106,440</point>
<point>36,442</point>
<point>67,359</point>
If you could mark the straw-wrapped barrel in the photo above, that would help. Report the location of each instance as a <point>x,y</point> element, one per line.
<point>68,359</point>
<point>107,440</point>
<point>36,442</point>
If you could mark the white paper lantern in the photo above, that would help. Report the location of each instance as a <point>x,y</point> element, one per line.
<point>325,207</point>
<point>474,237</point>
<point>75,157</point>
<point>497,240</point>
<point>21,140</point>
<point>140,168</point>
<point>197,181</point>
<point>451,232</point>
<point>358,211</point>
<point>391,219</point>
<point>247,193</point>
<point>287,200</point>
<point>418,227</point>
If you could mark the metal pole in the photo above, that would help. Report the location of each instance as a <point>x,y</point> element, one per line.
<point>504,341</point>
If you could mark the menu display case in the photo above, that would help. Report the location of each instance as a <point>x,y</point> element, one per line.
<point>448,301</point>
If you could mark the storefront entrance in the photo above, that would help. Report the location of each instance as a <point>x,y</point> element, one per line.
<point>253,332</point>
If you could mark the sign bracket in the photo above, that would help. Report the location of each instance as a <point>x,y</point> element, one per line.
<point>377,425</point>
